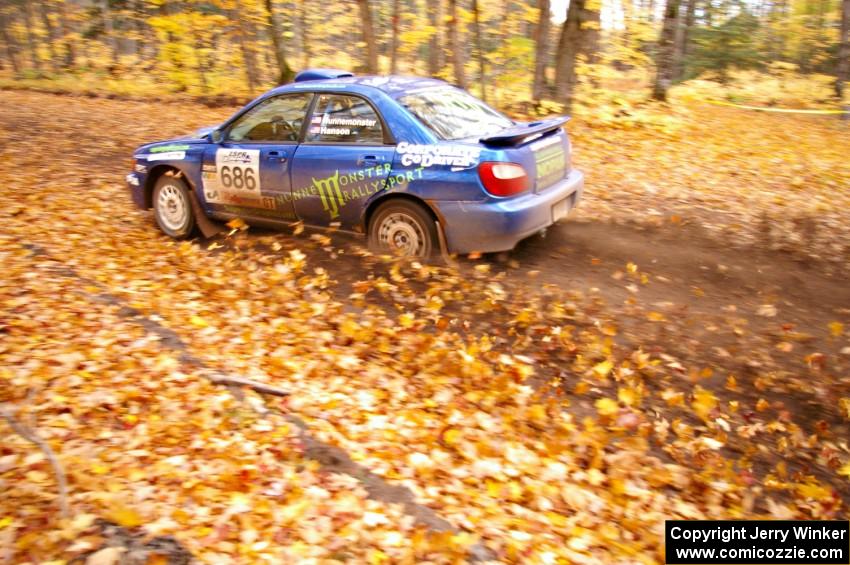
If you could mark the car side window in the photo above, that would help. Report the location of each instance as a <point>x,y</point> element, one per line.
<point>277,119</point>
<point>338,118</point>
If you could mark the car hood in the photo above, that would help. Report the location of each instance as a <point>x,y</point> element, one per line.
<point>203,132</point>
<point>181,143</point>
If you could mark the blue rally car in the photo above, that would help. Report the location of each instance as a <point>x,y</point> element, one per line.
<point>413,163</point>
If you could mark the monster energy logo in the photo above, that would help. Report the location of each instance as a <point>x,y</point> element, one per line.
<point>330,193</point>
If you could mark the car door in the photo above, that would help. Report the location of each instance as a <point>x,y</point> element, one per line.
<point>248,173</point>
<point>344,159</point>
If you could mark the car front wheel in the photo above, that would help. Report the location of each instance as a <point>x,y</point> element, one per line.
<point>172,207</point>
<point>404,228</point>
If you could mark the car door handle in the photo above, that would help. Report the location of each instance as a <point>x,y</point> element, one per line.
<point>370,160</point>
<point>272,155</point>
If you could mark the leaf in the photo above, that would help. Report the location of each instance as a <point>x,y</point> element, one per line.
<point>844,405</point>
<point>673,397</point>
<point>602,369</point>
<point>106,556</point>
<point>452,437</point>
<point>239,502</point>
<point>237,224</point>
<point>836,329</point>
<point>711,443</point>
<point>628,396</point>
<point>406,320</point>
<point>606,407</point>
<point>767,310</point>
<point>537,413</point>
<point>703,403</point>
<point>124,516</point>
<point>198,322</point>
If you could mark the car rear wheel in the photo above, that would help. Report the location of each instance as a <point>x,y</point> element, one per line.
<point>404,228</point>
<point>172,207</point>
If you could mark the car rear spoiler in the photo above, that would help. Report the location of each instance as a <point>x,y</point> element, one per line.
<point>520,133</point>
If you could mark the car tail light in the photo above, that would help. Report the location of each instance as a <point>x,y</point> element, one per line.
<point>503,179</point>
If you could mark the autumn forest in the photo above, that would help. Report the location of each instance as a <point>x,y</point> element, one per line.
<point>541,50</point>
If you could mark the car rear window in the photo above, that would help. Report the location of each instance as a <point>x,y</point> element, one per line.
<point>453,113</point>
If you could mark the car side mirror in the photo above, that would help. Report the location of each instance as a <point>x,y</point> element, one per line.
<point>216,136</point>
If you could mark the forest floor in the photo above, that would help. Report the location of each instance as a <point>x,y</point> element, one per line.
<point>678,349</point>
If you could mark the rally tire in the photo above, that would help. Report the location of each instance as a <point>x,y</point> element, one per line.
<point>404,228</point>
<point>172,207</point>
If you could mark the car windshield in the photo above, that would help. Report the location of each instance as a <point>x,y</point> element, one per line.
<point>454,114</point>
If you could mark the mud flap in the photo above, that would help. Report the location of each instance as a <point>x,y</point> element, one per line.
<point>208,227</point>
<point>444,250</point>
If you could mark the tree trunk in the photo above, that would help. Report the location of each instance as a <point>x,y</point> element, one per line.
<point>541,50</point>
<point>435,43</point>
<point>9,42</point>
<point>85,55</point>
<point>664,58</point>
<point>109,31</point>
<point>394,45</point>
<point>65,30</point>
<point>31,40</point>
<point>773,38</point>
<point>843,71</point>
<point>476,22</point>
<point>248,57</point>
<point>368,28</point>
<point>202,67</point>
<point>52,39</point>
<point>284,71</point>
<point>590,26</point>
<point>455,47</point>
<point>569,46</point>
<point>143,39</point>
<point>305,36</point>
<point>504,33</point>
<point>689,27</point>
<point>680,39</point>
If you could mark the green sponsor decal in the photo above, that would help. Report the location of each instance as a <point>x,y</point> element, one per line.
<point>336,190</point>
<point>551,163</point>
<point>164,148</point>
<point>331,194</point>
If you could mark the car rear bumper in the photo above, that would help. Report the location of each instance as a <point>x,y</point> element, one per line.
<point>499,225</point>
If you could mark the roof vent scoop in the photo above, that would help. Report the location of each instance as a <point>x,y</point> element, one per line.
<point>321,74</point>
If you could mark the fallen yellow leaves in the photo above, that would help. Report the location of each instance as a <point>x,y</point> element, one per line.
<point>124,516</point>
<point>427,378</point>
<point>844,405</point>
<point>606,407</point>
<point>602,369</point>
<point>704,402</point>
